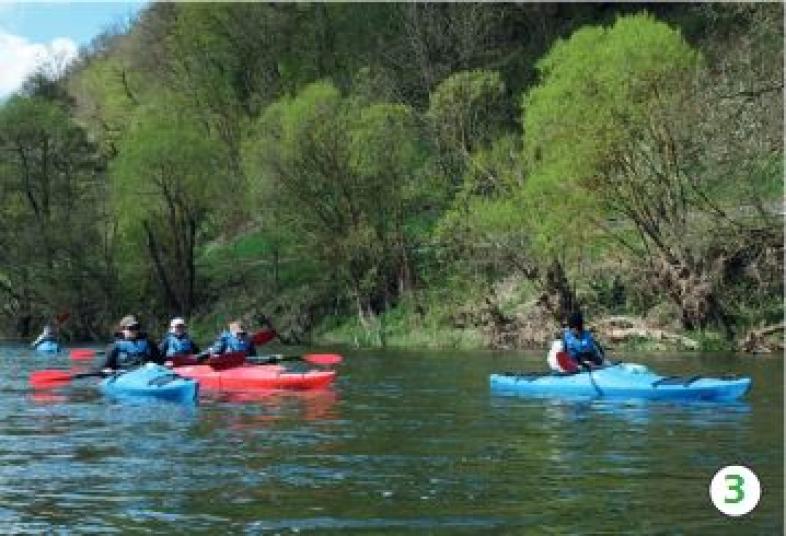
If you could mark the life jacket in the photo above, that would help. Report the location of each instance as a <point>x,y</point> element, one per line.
<point>581,345</point>
<point>131,353</point>
<point>178,345</point>
<point>229,343</point>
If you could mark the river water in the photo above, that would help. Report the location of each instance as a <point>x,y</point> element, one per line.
<point>404,442</point>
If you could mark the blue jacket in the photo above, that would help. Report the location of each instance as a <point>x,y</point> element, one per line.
<point>173,345</point>
<point>128,353</point>
<point>582,346</point>
<point>227,342</point>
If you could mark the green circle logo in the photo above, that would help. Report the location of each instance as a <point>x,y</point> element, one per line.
<point>735,490</point>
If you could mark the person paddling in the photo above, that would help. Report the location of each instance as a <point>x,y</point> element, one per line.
<point>48,334</point>
<point>131,347</point>
<point>234,339</point>
<point>177,341</point>
<point>577,348</point>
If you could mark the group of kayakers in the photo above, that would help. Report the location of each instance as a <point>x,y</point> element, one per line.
<point>574,349</point>
<point>133,347</point>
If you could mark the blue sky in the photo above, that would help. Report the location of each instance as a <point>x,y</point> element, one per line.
<point>42,22</point>
<point>35,32</point>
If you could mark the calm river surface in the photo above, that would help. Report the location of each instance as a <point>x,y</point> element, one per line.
<point>405,442</point>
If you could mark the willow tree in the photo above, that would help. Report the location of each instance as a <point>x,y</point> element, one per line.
<point>613,135</point>
<point>340,175</point>
<point>167,180</point>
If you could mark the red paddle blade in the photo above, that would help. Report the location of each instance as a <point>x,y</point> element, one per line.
<point>227,361</point>
<point>78,354</point>
<point>564,361</point>
<point>323,359</point>
<point>49,378</point>
<point>263,336</point>
<point>183,360</point>
<point>62,317</point>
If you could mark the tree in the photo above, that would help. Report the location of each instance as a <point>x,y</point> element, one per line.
<point>51,183</point>
<point>342,174</point>
<point>613,136</point>
<point>167,180</point>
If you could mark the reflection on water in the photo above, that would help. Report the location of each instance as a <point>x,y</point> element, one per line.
<point>404,442</point>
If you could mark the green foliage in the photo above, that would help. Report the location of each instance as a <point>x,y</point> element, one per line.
<point>348,172</point>
<point>166,155</point>
<point>104,100</point>
<point>367,160</point>
<point>168,180</point>
<point>468,108</point>
<point>598,92</point>
<point>406,326</point>
<point>51,186</point>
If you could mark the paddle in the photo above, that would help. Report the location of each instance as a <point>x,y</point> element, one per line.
<point>226,361</point>
<point>586,366</point>
<point>263,336</point>
<point>237,359</point>
<point>314,359</point>
<point>44,379</point>
<point>80,354</point>
<point>216,361</point>
<point>570,366</point>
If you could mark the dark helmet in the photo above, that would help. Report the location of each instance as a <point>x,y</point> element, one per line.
<point>575,320</point>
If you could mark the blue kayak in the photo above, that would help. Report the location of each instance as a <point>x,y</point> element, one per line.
<point>48,347</point>
<point>150,381</point>
<point>623,380</point>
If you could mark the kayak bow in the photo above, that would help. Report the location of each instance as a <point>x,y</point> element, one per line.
<point>150,381</point>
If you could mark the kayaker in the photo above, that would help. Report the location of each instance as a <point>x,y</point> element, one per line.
<point>234,339</point>
<point>177,341</point>
<point>131,347</point>
<point>49,333</point>
<point>578,343</point>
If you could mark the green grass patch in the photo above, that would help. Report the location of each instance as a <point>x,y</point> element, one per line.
<point>401,327</point>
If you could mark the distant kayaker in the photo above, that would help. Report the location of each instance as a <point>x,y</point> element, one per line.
<point>48,334</point>
<point>131,347</point>
<point>576,349</point>
<point>234,339</point>
<point>177,341</point>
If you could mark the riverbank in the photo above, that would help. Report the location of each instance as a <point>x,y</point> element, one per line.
<point>401,328</point>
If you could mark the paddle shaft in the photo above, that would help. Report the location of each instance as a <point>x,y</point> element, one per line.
<point>314,359</point>
<point>272,358</point>
<point>93,374</point>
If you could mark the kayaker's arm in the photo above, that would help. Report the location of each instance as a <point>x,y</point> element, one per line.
<point>110,358</point>
<point>155,354</point>
<point>163,346</point>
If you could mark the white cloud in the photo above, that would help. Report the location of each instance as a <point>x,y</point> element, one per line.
<point>19,58</point>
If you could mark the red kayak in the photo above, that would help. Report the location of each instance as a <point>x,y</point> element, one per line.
<point>256,377</point>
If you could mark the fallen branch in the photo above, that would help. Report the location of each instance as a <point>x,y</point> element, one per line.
<point>621,334</point>
<point>754,340</point>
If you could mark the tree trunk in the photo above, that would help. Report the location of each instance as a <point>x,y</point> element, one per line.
<point>557,296</point>
<point>169,295</point>
<point>692,291</point>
